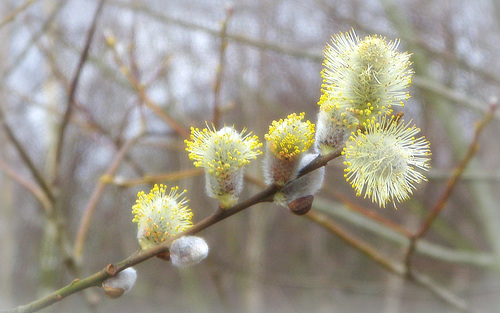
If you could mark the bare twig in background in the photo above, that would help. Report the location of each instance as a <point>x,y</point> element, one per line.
<point>440,204</point>
<point>395,268</point>
<point>16,12</point>
<point>26,158</point>
<point>74,85</point>
<point>160,71</point>
<point>151,179</point>
<point>45,27</point>
<point>425,248</point>
<point>220,67</point>
<point>34,189</point>
<point>95,197</point>
<point>237,38</point>
<point>423,83</point>
<point>369,213</point>
<point>459,259</point>
<point>86,121</point>
<point>141,91</point>
<point>96,279</point>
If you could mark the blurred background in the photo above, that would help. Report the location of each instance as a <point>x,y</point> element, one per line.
<point>76,147</point>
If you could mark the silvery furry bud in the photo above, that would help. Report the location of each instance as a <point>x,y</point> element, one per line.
<point>116,286</point>
<point>188,250</point>
<point>286,140</point>
<point>303,186</point>
<point>223,154</point>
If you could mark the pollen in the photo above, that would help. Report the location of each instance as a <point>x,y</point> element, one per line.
<point>223,154</point>
<point>370,74</point>
<point>382,162</point>
<point>222,151</point>
<point>289,137</point>
<point>160,215</point>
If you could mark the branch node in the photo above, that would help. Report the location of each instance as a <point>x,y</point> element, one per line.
<point>164,255</point>
<point>111,269</point>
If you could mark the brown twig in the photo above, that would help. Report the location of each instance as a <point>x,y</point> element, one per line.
<point>369,213</point>
<point>96,279</point>
<point>150,179</point>
<point>395,268</point>
<point>366,249</point>
<point>141,91</point>
<point>74,85</point>
<point>33,188</point>
<point>94,199</point>
<point>88,122</point>
<point>35,38</point>
<point>457,172</point>
<point>160,71</point>
<point>220,67</point>
<point>26,158</point>
<point>16,12</point>
<point>418,81</point>
<point>320,161</point>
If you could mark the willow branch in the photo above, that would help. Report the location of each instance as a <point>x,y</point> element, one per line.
<point>423,247</point>
<point>140,89</point>
<point>35,38</point>
<point>139,256</point>
<point>33,188</point>
<point>393,267</point>
<point>369,213</point>
<point>16,12</point>
<point>151,179</point>
<point>94,199</point>
<point>74,85</point>
<point>457,172</point>
<point>418,81</point>
<point>26,158</point>
<point>220,66</point>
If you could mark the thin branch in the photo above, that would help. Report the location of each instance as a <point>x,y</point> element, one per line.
<point>16,12</point>
<point>369,213</point>
<point>423,247</point>
<point>141,91</point>
<point>418,81</point>
<point>366,249</point>
<point>94,199</point>
<point>33,188</point>
<point>151,179</point>
<point>457,60</point>
<point>26,158</point>
<point>442,293</point>
<point>393,267</point>
<point>457,172</point>
<point>89,122</point>
<point>490,175</point>
<point>35,38</point>
<point>160,71</point>
<point>220,66</point>
<point>454,96</point>
<point>219,215</point>
<point>74,85</point>
<point>267,45</point>
<point>75,286</point>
